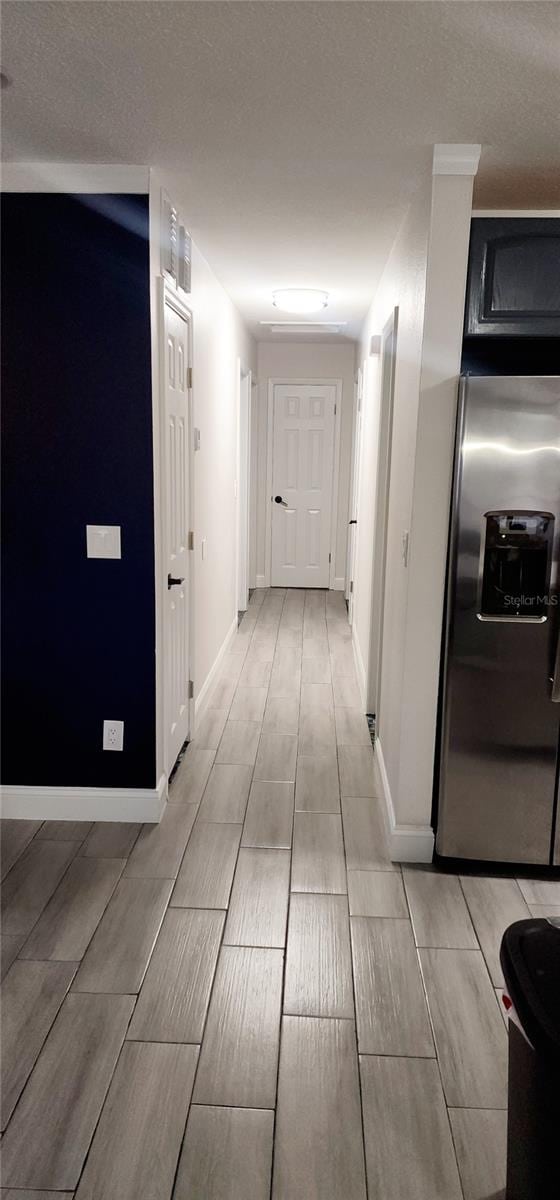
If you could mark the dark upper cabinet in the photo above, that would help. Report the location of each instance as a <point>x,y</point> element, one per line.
<point>513,285</point>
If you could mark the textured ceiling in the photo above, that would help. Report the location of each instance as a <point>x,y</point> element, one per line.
<point>301,129</point>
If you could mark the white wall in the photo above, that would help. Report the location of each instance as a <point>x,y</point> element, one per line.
<point>441,359</point>
<point>425,276</point>
<point>403,284</point>
<point>309,360</point>
<point>221,342</point>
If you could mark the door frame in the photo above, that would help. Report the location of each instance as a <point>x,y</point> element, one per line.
<point>253,481</point>
<point>354,489</point>
<point>243,485</point>
<point>168,296</point>
<point>313,381</point>
<point>387,363</point>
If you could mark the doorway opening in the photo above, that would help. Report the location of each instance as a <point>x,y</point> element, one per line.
<point>383,483</point>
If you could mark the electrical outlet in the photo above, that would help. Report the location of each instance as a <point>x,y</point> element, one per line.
<point>113,734</point>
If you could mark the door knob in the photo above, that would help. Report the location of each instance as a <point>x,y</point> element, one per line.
<point>353,522</point>
<point>279,500</point>
<point>171,582</point>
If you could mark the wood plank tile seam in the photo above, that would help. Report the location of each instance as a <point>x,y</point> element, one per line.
<point>211,994</point>
<point>76,949</point>
<point>238,970</point>
<point>23,952</point>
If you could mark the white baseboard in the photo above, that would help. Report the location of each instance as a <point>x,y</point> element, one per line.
<point>261,581</point>
<point>360,668</point>
<point>407,843</point>
<point>85,804</point>
<point>201,701</point>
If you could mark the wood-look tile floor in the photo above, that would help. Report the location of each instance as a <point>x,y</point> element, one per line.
<point>250,1000</point>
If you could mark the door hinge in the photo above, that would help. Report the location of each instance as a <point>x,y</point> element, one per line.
<point>351,585</point>
<point>189,377</point>
<point>191,540</point>
<point>335,410</point>
<point>191,689</point>
<point>329,558</point>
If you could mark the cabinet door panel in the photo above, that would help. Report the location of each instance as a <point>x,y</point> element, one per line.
<point>514,277</point>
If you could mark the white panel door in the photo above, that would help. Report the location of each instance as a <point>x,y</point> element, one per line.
<point>355,492</point>
<point>302,484</point>
<point>176,487</point>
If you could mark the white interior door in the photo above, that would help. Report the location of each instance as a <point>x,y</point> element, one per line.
<point>302,484</point>
<point>354,495</point>
<point>177,565</point>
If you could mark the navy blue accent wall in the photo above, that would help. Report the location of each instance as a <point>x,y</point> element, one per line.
<point>78,633</point>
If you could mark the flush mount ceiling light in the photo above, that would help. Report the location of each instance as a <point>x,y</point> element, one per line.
<point>300,300</point>
<point>304,327</point>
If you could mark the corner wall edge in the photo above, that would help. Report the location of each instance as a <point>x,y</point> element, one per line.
<point>407,843</point>
<point>461,158</point>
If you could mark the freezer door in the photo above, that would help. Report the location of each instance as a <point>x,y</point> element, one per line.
<point>500,726</point>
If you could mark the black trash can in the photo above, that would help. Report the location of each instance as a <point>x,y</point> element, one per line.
<point>530,957</point>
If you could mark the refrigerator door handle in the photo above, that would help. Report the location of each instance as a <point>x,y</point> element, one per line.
<point>555,679</point>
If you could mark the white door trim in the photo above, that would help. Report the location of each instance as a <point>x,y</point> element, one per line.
<point>253,480</point>
<point>299,382</point>
<point>381,514</point>
<point>354,490</point>
<point>351,482</point>
<point>243,486</point>
<point>168,296</point>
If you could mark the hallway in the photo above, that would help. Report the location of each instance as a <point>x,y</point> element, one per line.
<point>318,1072</point>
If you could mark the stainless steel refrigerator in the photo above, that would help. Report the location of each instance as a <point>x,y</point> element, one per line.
<point>498,777</point>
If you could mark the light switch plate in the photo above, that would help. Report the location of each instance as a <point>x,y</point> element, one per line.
<point>103,541</point>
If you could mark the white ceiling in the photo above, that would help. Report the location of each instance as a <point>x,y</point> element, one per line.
<point>301,128</point>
